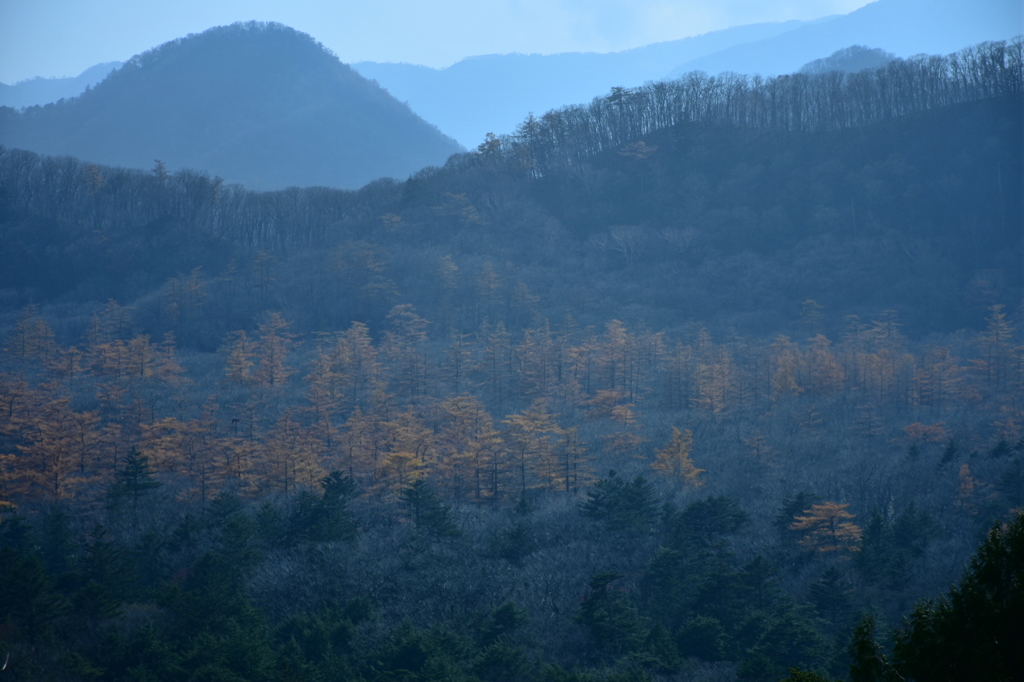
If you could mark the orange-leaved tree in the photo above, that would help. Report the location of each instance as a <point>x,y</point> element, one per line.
<point>408,450</point>
<point>469,447</point>
<point>532,436</point>
<point>674,459</point>
<point>324,397</point>
<point>239,362</point>
<point>272,349</point>
<point>828,527</point>
<point>785,361</point>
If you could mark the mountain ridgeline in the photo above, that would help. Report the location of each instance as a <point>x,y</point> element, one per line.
<point>258,104</point>
<point>689,199</point>
<point>852,59</point>
<point>493,93</point>
<point>939,27</point>
<point>799,102</point>
<point>38,91</point>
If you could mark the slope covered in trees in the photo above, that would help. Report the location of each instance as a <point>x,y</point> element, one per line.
<point>891,189</point>
<point>476,426</point>
<point>257,104</point>
<point>850,60</point>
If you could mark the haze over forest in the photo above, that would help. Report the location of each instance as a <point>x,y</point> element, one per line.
<point>695,375</point>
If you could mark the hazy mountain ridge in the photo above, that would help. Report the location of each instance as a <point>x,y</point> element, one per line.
<point>849,60</point>
<point>258,104</point>
<point>40,91</point>
<point>939,27</point>
<point>493,93</point>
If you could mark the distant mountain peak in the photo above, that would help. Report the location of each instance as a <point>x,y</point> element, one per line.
<point>903,27</point>
<point>851,59</point>
<point>257,103</point>
<point>38,91</point>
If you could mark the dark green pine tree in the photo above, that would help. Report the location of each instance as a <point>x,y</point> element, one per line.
<point>876,549</point>
<point>975,632</point>
<point>1011,484</point>
<point>702,637</point>
<point>621,505</point>
<point>338,491</point>
<point>950,453</point>
<point>324,518</point>
<point>868,662</point>
<point>608,614</point>
<point>57,547</point>
<point>106,579</point>
<point>830,595</point>
<point>29,602</point>
<point>703,523</point>
<point>515,543</point>
<point>501,623</point>
<point>131,484</point>
<point>429,514</point>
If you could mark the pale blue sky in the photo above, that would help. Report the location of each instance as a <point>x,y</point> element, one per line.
<point>64,37</point>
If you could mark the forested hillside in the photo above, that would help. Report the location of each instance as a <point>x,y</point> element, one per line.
<point>257,104</point>
<point>852,59</point>
<point>708,380</point>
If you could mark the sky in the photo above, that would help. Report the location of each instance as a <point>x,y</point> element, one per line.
<point>64,37</point>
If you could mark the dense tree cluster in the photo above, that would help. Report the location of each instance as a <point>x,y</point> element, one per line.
<point>482,455</point>
<point>916,216</point>
<point>619,420</point>
<point>797,102</point>
<point>853,59</point>
<point>490,416</point>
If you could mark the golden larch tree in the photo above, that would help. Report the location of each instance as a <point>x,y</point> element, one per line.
<point>355,360</point>
<point>408,451</point>
<point>674,460</point>
<point>239,363</point>
<point>626,440</point>
<point>57,445</point>
<point>823,372</point>
<point>469,447</point>
<point>141,360</point>
<point>32,338</point>
<point>570,466</point>
<point>786,360</point>
<point>290,457</point>
<point>937,378</point>
<point>167,369</point>
<point>532,436</point>
<point>272,349</point>
<point>828,527</point>
<point>324,397</point>
<point>967,490</point>
<point>997,349</point>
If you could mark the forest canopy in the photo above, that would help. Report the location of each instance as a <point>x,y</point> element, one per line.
<point>714,379</point>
